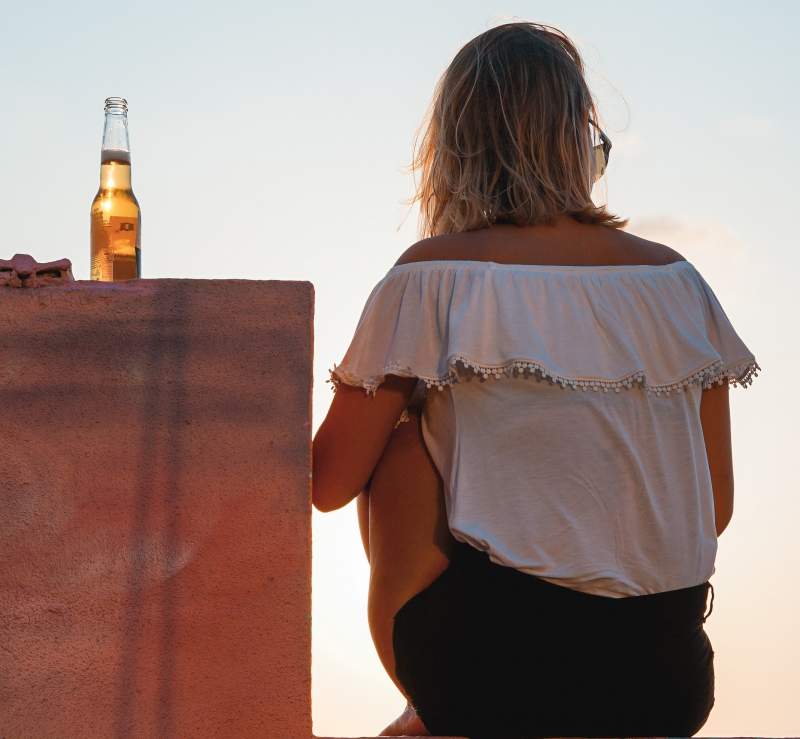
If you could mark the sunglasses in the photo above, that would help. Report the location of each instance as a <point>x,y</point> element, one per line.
<point>600,151</point>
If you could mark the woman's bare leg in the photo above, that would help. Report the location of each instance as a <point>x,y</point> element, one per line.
<point>407,538</point>
<point>362,505</point>
<point>408,723</point>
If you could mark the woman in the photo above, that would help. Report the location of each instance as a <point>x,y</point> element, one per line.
<point>533,417</point>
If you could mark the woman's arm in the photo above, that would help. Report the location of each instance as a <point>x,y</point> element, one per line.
<point>715,419</point>
<point>351,439</point>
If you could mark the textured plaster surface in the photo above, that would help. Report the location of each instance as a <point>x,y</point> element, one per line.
<point>155,544</point>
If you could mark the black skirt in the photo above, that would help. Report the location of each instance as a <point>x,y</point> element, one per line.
<point>489,652</point>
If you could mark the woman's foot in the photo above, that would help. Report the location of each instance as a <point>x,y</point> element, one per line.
<point>406,724</point>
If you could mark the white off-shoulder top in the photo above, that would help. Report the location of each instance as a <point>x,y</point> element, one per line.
<point>561,407</point>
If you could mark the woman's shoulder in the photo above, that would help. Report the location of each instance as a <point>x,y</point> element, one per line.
<point>443,246</point>
<point>646,251</point>
<point>598,246</point>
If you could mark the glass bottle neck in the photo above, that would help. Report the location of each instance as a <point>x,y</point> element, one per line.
<point>115,131</point>
<point>115,155</point>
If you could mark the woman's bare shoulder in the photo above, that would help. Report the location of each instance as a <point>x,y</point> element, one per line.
<point>650,252</point>
<point>601,245</point>
<point>443,246</point>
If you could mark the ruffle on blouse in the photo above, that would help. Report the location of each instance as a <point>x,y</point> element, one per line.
<point>601,328</point>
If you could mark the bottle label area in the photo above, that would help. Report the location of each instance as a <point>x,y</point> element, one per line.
<point>115,248</point>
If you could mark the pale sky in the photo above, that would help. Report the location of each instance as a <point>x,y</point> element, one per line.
<point>269,141</point>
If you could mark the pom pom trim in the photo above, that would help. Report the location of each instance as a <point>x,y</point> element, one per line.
<point>716,373</point>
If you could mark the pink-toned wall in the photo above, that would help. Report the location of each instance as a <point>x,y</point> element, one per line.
<point>155,552</point>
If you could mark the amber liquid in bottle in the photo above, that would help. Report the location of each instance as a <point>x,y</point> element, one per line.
<point>116,219</point>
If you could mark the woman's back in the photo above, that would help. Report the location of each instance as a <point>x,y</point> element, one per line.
<point>570,242</point>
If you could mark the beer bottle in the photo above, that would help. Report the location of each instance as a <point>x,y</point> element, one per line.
<point>115,216</point>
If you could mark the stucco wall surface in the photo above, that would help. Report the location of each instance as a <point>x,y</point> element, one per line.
<point>155,550</point>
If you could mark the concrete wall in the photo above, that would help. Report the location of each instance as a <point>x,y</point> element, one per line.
<point>155,550</point>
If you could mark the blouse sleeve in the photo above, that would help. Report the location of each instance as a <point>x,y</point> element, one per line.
<point>386,330</point>
<point>737,364</point>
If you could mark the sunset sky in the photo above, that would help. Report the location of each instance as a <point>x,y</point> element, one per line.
<point>270,141</point>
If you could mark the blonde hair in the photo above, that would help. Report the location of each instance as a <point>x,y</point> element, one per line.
<point>507,136</point>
